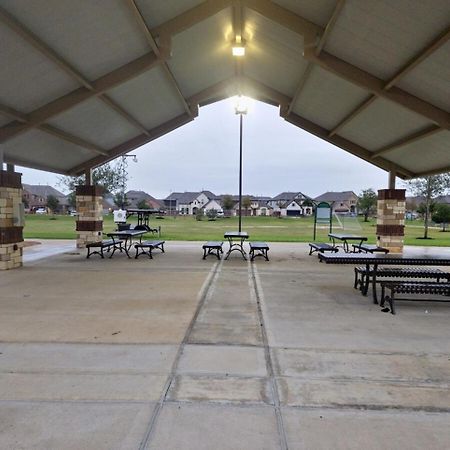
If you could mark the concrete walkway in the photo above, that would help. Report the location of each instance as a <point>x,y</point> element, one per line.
<point>182,353</point>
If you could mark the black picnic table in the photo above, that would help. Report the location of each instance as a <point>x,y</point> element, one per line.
<point>127,237</point>
<point>346,238</point>
<point>375,260</point>
<point>236,240</point>
<point>143,218</point>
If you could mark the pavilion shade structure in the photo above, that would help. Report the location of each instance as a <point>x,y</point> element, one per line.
<point>84,82</point>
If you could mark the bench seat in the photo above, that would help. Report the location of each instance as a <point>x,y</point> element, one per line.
<point>212,248</point>
<point>321,247</point>
<point>362,276</point>
<point>415,288</point>
<point>367,248</point>
<point>261,247</point>
<point>101,245</point>
<point>146,247</point>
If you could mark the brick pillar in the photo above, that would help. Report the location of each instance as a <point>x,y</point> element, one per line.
<point>391,219</point>
<point>90,218</point>
<point>11,220</point>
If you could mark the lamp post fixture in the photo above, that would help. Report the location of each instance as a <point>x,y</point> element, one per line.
<point>240,109</point>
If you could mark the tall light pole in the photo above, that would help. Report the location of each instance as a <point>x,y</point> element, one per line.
<point>124,158</point>
<point>240,109</point>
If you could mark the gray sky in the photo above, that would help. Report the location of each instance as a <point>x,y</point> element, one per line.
<point>277,157</point>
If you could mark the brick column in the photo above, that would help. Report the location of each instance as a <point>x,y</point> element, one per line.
<point>391,219</point>
<point>90,219</point>
<point>11,220</point>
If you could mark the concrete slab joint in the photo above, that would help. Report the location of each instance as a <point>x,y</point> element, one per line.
<point>11,220</point>
<point>391,219</point>
<point>90,218</point>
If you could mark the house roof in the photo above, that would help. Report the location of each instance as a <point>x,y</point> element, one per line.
<point>82,85</point>
<point>43,190</point>
<point>289,196</point>
<point>134,197</point>
<point>336,196</point>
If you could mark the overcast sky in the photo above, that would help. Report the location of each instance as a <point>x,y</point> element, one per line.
<point>278,156</point>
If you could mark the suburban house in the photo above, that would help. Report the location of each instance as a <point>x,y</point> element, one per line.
<point>188,202</point>
<point>136,197</point>
<point>341,202</point>
<point>292,204</point>
<point>213,204</point>
<point>35,196</point>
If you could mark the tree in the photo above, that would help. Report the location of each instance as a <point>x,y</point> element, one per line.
<point>442,215</point>
<point>429,188</point>
<point>367,203</point>
<point>211,214</point>
<point>227,202</point>
<point>246,203</point>
<point>142,204</point>
<point>52,203</point>
<point>120,200</point>
<point>111,176</point>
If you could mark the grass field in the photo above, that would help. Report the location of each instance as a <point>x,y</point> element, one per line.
<point>260,229</point>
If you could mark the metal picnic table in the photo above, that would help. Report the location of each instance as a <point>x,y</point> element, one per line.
<point>346,238</point>
<point>127,237</point>
<point>236,240</point>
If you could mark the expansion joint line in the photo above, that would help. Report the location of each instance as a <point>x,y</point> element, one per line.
<point>256,289</point>
<point>204,294</point>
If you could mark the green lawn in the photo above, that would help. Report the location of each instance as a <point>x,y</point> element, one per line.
<point>260,229</point>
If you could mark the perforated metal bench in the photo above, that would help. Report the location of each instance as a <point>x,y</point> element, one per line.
<point>318,247</point>
<point>261,248</point>
<point>416,288</point>
<point>146,247</point>
<point>212,248</point>
<point>367,248</point>
<point>362,276</point>
<point>94,248</point>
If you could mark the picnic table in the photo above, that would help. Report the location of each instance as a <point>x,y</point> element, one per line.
<point>125,237</point>
<point>143,218</point>
<point>345,239</point>
<point>236,240</point>
<point>373,261</point>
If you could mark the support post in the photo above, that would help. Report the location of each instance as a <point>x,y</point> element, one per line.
<point>240,173</point>
<point>392,176</point>
<point>391,219</point>
<point>11,219</point>
<point>10,168</point>
<point>88,175</point>
<point>90,217</point>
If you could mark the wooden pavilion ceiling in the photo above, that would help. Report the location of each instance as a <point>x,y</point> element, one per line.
<point>84,82</point>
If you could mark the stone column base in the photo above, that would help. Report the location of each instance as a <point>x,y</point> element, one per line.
<point>11,256</point>
<point>391,219</point>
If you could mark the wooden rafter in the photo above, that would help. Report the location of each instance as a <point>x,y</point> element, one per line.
<point>422,134</point>
<point>134,143</point>
<point>101,85</point>
<point>54,131</point>
<point>438,42</point>
<point>306,74</point>
<point>151,41</point>
<point>347,145</point>
<point>52,55</point>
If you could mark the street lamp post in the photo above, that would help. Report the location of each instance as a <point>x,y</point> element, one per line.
<point>124,158</point>
<point>240,109</point>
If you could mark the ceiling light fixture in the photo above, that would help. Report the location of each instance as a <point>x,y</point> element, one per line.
<point>238,48</point>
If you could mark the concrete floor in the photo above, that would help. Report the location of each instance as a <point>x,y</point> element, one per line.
<point>182,353</point>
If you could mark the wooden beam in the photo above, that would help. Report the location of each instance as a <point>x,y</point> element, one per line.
<point>422,134</point>
<point>375,85</point>
<point>286,18</point>
<point>33,165</point>
<point>151,41</point>
<point>101,85</point>
<point>190,17</point>
<point>226,88</point>
<point>345,144</point>
<point>16,115</point>
<point>413,62</point>
<point>256,89</point>
<point>306,74</point>
<point>427,173</point>
<point>133,143</point>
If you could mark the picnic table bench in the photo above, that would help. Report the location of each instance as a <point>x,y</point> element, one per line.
<point>368,248</point>
<point>416,288</point>
<point>261,247</point>
<point>212,248</point>
<point>98,247</point>
<point>363,275</point>
<point>146,247</point>
<point>318,247</point>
